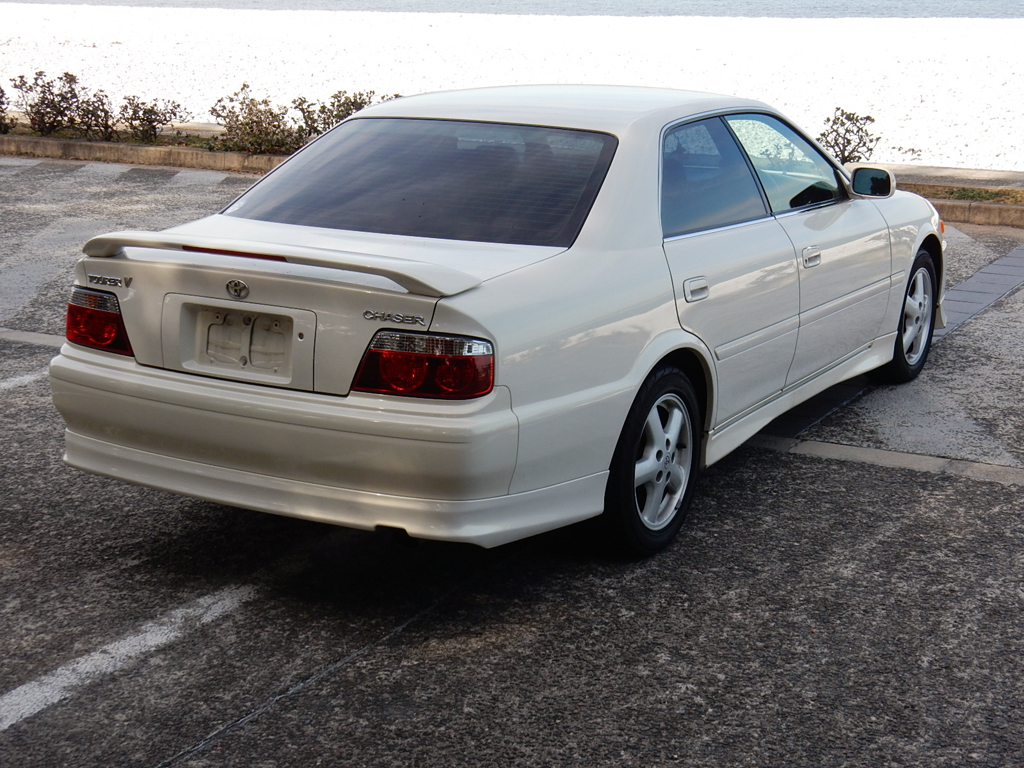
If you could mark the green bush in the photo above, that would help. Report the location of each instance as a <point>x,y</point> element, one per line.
<point>259,127</point>
<point>6,123</point>
<point>63,106</point>
<point>145,120</point>
<point>255,125</point>
<point>319,118</point>
<point>848,138</point>
<point>976,195</point>
<point>96,118</point>
<point>49,105</point>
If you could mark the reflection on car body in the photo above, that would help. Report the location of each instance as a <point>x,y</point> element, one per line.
<point>484,314</point>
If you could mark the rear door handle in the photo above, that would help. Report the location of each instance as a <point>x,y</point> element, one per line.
<point>812,256</point>
<point>695,289</point>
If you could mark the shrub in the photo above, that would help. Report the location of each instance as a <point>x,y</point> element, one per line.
<point>848,137</point>
<point>255,125</point>
<point>95,118</point>
<point>250,124</point>
<point>49,105</point>
<point>320,118</point>
<point>976,195</point>
<point>6,123</point>
<point>145,120</point>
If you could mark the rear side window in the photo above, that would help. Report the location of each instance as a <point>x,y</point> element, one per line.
<point>482,182</point>
<point>705,181</point>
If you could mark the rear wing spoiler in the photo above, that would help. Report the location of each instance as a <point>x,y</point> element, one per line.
<point>417,277</point>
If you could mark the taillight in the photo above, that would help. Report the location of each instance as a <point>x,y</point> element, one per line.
<point>426,365</point>
<point>94,320</point>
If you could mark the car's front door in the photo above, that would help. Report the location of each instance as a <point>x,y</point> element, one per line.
<point>842,244</point>
<point>733,267</point>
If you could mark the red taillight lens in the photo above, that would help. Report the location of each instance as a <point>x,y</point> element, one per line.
<point>425,365</point>
<point>401,371</point>
<point>94,320</point>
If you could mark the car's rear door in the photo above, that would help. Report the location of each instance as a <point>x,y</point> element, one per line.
<point>842,244</point>
<point>733,267</point>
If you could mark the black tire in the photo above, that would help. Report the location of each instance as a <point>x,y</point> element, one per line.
<point>654,469</point>
<point>916,325</point>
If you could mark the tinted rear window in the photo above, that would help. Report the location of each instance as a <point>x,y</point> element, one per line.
<point>484,182</point>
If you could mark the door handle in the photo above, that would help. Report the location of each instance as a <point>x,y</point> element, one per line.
<point>812,256</point>
<point>695,289</point>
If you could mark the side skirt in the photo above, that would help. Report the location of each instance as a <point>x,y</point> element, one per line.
<point>727,438</point>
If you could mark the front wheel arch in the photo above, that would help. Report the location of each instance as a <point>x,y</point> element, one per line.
<point>933,246</point>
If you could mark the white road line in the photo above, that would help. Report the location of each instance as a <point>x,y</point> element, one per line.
<point>30,337</point>
<point>47,690</point>
<point>18,381</point>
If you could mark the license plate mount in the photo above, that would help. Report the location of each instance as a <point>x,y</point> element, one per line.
<point>247,342</point>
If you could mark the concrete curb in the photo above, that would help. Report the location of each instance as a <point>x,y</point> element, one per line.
<point>138,154</point>
<point>966,211</point>
<point>995,214</point>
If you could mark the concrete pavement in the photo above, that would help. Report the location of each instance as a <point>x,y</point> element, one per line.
<point>829,603</point>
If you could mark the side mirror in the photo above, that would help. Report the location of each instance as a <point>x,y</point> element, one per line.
<point>873,182</point>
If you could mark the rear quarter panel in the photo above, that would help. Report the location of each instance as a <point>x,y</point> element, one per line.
<point>574,334</point>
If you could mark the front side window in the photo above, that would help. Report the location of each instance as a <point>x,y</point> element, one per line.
<point>483,182</point>
<point>705,182</point>
<point>793,173</point>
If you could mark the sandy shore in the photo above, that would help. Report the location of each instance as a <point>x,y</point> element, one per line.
<point>953,89</point>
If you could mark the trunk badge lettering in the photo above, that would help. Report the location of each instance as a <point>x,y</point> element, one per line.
<point>394,317</point>
<point>115,282</point>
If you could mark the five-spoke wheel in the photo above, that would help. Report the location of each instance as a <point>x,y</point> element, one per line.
<point>917,315</point>
<point>662,469</point>
<point>655,464</point>
<point>917,321</point>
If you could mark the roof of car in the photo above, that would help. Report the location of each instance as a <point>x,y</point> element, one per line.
<point>609,108</point>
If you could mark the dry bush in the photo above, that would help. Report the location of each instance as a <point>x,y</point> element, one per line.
<point>848,138</point>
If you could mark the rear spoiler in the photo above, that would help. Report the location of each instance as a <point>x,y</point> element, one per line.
<point>418,277</point>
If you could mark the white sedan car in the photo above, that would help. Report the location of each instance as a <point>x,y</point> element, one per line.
<point>479,315</point>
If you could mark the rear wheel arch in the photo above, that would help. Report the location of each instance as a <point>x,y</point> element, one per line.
<point>685,352</point>
<point>699,373</point>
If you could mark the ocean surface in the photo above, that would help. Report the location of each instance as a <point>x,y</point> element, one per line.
<point>806,9</point>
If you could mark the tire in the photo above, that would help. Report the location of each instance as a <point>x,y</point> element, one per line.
<point>655,465</point>
<point>917,323</point>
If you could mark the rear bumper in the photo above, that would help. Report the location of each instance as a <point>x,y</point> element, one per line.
<point>486,522</point>
<point>437,470</point>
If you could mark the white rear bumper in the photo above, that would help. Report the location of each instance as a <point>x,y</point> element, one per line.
<point>437,470</point>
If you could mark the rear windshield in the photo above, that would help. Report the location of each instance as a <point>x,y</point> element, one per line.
<point>484,182</point>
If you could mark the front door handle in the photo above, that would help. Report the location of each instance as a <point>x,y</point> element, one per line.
<point>812,256</point>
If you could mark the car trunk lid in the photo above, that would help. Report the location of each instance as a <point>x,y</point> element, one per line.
<point>280,305</point>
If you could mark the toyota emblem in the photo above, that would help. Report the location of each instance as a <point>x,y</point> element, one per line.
<point>237,289</point>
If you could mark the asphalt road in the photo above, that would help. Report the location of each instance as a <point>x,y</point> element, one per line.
<point>849,597</point>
